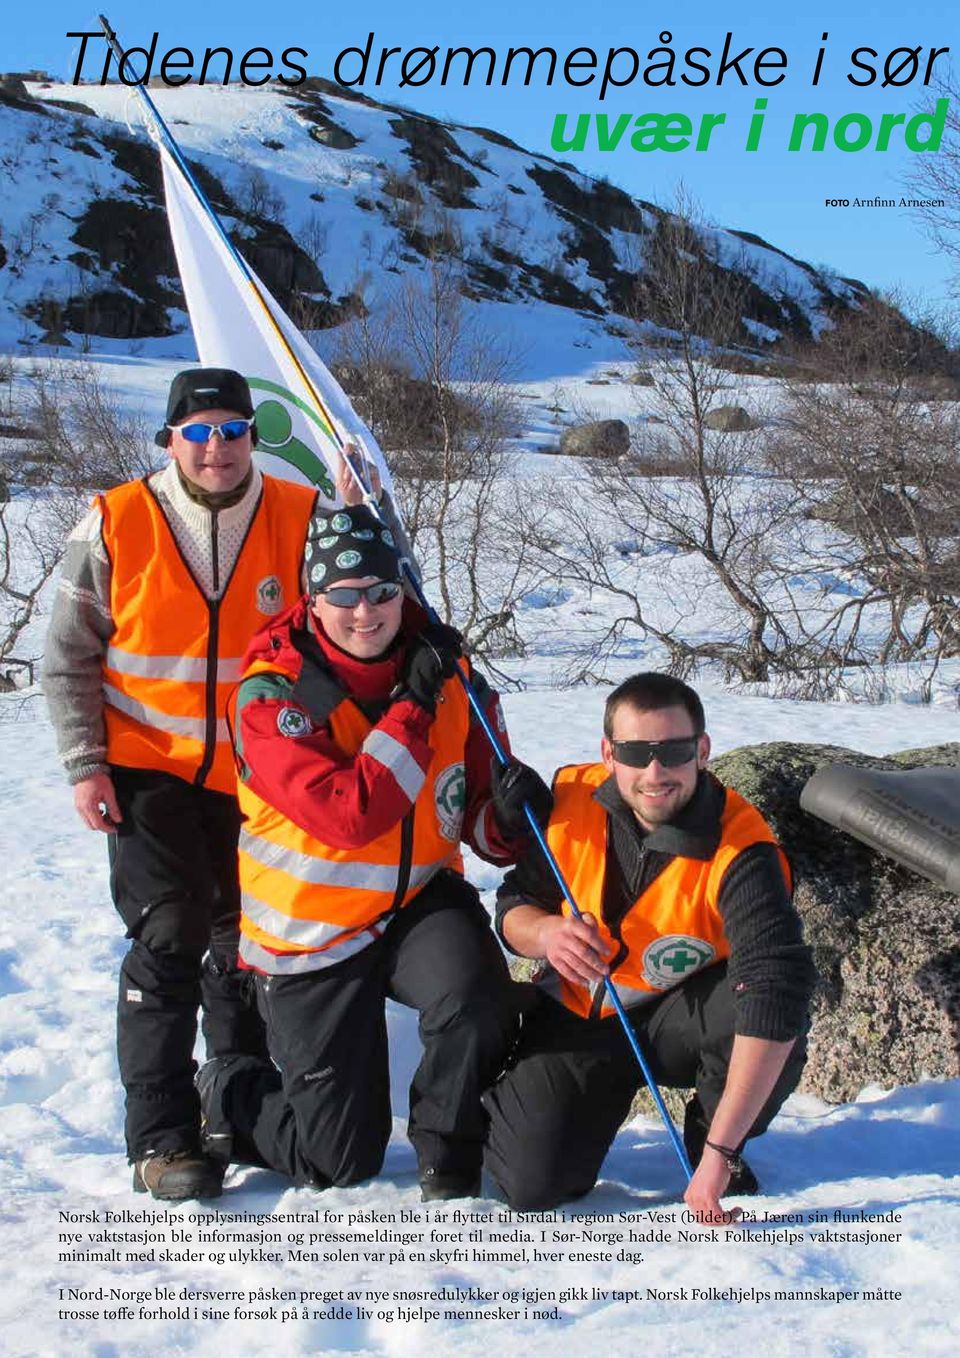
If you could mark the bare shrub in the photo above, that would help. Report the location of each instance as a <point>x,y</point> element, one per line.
<point>686,492</point>
<point>879,462</point>
<point>80,439</point>
<point>433,387</point>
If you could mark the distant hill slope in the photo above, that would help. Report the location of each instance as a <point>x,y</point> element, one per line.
<point>326,192</point>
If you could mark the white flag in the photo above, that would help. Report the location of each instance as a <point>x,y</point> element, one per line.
<point>238,326</point>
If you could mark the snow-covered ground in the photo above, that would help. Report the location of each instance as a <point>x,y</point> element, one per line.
<point>570,370</point>
<point>892,1151</point>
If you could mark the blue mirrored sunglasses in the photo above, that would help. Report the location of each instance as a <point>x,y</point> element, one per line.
<point>229,431</point>
<point>348,596</point>
<point>639,754</point>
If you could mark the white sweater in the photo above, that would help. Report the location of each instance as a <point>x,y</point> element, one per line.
<point>81,623</point>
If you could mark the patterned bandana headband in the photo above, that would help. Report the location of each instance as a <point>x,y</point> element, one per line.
<point>349,544</point>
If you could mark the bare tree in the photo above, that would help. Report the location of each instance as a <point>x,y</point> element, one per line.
<point>75,437</point>
<point>31,545</point>
<point>370,362</point>
<point>456,491</point>
<point>314,236</point>
<point>257,198</point>
<point>935,179</point>
<point>876,452</point>
<point>81,438</point>
<point>692,490</point>
<point>432,384</point>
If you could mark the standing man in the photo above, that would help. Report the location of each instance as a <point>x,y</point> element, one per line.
<point>164,581</point>
<point>362,768</point>
<point>686,910</point>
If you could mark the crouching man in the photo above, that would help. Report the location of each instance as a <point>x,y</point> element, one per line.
<point>361,769</point>
<point>686,910</point>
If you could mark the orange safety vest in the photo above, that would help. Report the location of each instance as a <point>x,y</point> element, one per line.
<point>674,928</point>
<point>174,655</point>
<point>307,905</point>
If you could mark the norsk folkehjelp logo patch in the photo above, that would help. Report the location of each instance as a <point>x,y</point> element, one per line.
<point>269,596</point>
<point>450,798</point>
<point>292,722</point>
<point>670,959</point>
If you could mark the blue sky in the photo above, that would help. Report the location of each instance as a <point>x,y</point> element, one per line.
<point>776,194</point>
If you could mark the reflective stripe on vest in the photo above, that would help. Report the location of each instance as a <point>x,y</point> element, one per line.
<point>553,984</point>
<point>351,874</point>
<point>307,933</point>
<point>173,654</point>
<point>398,759</point>
<point>176,668</point>
<point>296,963</point>
<point>674,928</point>
<point>189,728</point>
<point>304,898</point>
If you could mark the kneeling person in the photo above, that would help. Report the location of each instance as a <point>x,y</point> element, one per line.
<point>361,769</point>
<point>686,909</point>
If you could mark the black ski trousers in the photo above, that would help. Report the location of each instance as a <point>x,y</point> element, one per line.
<point>173,876</point>
<point>322,1113</point>
<point>570,1082</point>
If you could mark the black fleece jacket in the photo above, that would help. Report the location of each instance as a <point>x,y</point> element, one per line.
<point>770,969</point>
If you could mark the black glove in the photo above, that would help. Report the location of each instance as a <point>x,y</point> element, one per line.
<point>431,661</point>
<point>513,784</point>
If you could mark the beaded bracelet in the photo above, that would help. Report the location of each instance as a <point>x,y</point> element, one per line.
<point>730,1155</point>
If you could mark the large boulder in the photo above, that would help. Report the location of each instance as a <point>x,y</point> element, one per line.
<point>14,92</point>
<point>334,136</point>
<point>730,420</point>
<point>600,438</point>
<point>886,941</point>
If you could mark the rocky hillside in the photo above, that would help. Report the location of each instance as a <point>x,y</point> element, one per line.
<point>328,194</point>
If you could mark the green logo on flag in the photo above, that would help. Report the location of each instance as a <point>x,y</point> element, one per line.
<point>276,436</point>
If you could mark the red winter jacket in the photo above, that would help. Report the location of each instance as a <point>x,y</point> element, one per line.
<point>289,758</point>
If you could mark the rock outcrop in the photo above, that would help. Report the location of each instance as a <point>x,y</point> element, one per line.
<point>886,941</point>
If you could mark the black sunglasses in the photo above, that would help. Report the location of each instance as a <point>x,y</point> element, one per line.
<point>638,754</point>
<point>348,596</point>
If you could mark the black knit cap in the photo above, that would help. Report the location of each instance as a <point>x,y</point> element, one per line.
<point>205,389</point>
<point>349,544</point>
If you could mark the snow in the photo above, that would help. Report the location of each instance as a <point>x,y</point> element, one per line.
<point>890,1151</point>
<point>337,203</point>
<point>61,1146</point>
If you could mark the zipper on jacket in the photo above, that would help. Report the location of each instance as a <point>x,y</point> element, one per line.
<point>620,956</point>
<point>213,640</point>
<point>215,548</point>
<point>406,861</point>
<point>210,694</point>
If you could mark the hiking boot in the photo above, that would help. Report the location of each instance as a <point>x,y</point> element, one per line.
<point>743,1182</point>
<point>177,1175</point>
<point>435,1186</point>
